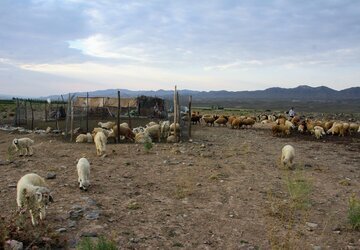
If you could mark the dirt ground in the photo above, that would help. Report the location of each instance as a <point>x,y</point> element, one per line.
<point>224,190</point>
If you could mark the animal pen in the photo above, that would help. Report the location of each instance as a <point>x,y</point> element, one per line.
<point>81,114</point>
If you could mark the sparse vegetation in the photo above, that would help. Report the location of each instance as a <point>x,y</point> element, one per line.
<point>299,190</point>
<point>354,212</point>
<point>147,146</point>
<point>96,244</point>
<point>133,205</point>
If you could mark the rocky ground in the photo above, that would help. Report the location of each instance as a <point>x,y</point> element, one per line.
<point>223,190</point>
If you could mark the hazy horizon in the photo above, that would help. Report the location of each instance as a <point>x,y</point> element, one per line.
<point>54,47</point>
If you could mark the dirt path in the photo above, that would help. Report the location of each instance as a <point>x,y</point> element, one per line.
<point>223,191</point>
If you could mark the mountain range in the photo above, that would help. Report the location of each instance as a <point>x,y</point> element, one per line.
<point>302,92</point>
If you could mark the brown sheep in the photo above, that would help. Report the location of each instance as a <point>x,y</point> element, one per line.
<point>249,122</point>
<point>209,120</point>
<point>279,129</point>
<point>221,121</point>
<point>124,131</point>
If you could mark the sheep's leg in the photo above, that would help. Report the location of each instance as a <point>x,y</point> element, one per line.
<point>42,213</point>
<point>33,221</point>
<point>30,149</point>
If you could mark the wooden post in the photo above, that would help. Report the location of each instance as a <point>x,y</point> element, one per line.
<point>17,112</point>
<point>118,118</point>
<point>189,132</point>
<point>32,116</point>
<point>175,112</point>
<point>129,115</point>
<point>26,114</point>
<point>46,111</point>
<point>178,111</point>
<point>72,121</point>
<point>87,112</point>
<point>56,114</point>
<point>67,117</point>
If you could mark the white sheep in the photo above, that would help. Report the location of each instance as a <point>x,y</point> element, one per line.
<point>165,129</point>
<point>83,170</point>
<point>100,143</point>
<point>81,138</point>
<point>150,124</point>
<point>319,132</point>
<point>287,155</point>
<point>142,137</point>
<point>106,125</point>
<point>154,132</point>
<point>33,194</point>
<point>138,130</point>
<point>23,144</point>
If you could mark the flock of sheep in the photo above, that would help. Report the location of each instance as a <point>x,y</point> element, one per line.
<point>34,195</point>
<point>281,125</point>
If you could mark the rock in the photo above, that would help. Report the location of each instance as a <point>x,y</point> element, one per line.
<point>76,212</point>
<point>14,245</point>
<point>202,145</point>
<point>12,185</point>
<point>311,226</point>
<point>72,224</point>
<point>307,165</point>
<point>317,248</point>
<point>89,234</point>
<point>198,184</point>
<point>134,240</point>
<point>93,215</point>
<point>50,176</point>
<point>61,230</point>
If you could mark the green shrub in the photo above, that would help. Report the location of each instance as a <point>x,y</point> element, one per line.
<point>100,244</point>
<point>354,212</point>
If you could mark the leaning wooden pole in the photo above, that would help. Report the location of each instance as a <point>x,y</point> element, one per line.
<point>175,112</point>
<point>87,112</point>
<point>178,111</point>
<point>189,118</point>
<point>72,121</point>
<point>129,116</point>
<point>118,118</point>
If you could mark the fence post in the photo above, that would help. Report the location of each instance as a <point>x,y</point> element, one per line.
<point>32,116</point>
<point>72,121</point>
<point>87,112</point>
<point>189,132</point>
<point>45,111</point>
<point>26,114</point>
<point>56,114</point>
<point>118,118</point>
<point>175,112</point>
<point>129,115</point>
<point>67,117</point>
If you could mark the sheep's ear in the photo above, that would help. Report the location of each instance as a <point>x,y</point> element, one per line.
<point>38,196</point>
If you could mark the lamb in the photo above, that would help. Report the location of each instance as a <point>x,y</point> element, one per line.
<point>100,143</point>
<point>353,127</point>
<point>33,194</point>
<point>319,132</point>
<point>23,144</point>
<point>106,125</point>
<point>172,139</point>
<point>337,128</point>
<point>84,138</point>
<point>287,156</point>
<point>83,170</point>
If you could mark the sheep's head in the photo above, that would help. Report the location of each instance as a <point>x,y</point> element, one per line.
<point>43,195</point>
<point>84,184</point>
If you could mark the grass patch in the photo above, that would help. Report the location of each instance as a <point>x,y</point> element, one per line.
<point>299,190</point>
<point>354,212</point>
<point>100,244</point>
<point>133,205</point>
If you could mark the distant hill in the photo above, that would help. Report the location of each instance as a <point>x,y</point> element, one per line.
<point>302,92</point>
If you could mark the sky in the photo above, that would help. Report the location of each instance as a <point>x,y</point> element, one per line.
<point>61,46</point>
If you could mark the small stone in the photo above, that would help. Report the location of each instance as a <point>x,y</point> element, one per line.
<point>307,165</point>
<point>61,230</point>
<point>89,234</point>
<point>198,184</point>
<point>311,225</point>
<point>14,245</point>
<point>93,215</point>
<point>134,240</point>
<point>250,189</point>
<point>317,248</point>
<point>231,216</point>
<point>202,145</point>
<point>72,224</point>
<point>50,176</point>
<point>12,185</point>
